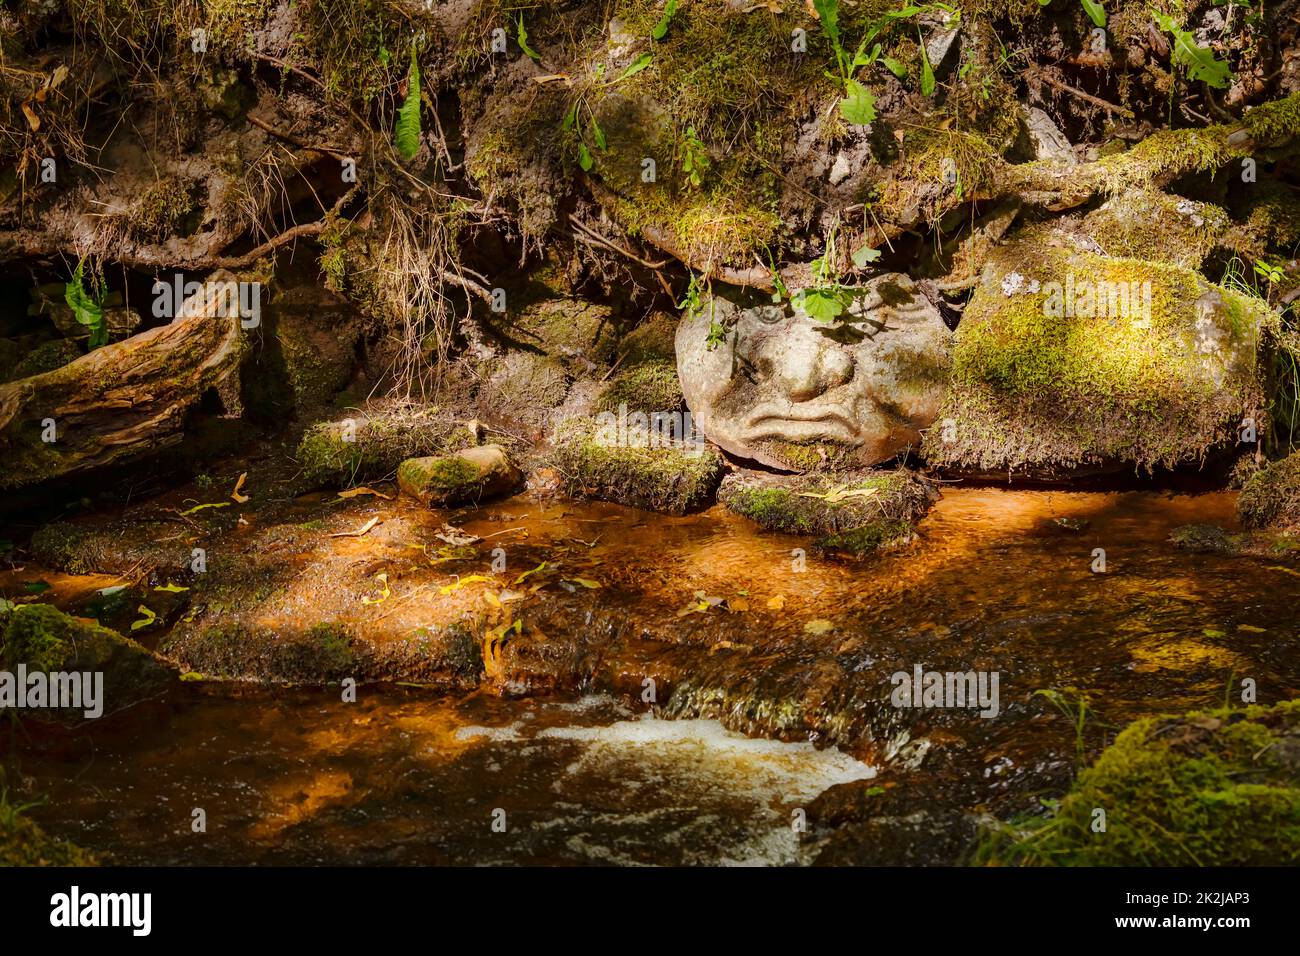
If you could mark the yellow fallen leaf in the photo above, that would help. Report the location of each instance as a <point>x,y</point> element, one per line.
<point>491,598</point>
<point>776,603</point>
<point>461,582</point>
<point>149,618</point>
<point>240,499</point>
<point>382,578</point>
<point>817,626</point>
<point>360,532</point>
<point>520,579</point>
<point>170,588</point>
<point>586,583</point>
<point>363,490</point>
<point>213,504</point>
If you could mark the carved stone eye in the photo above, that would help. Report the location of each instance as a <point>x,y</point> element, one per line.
<point>769,314</point>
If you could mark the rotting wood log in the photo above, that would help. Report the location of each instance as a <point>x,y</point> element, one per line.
<point>126,399</point>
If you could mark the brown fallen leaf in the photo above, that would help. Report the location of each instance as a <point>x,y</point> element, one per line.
<point>360,532</point>
<point>363,490</point>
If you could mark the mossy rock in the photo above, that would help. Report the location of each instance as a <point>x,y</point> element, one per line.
<point>46,639</point>
<point>1035,389</point>
<point>10,356</point>
<point>648,386</point>
<point>372,444</point>
<point>472,475</point>
<point>644,472</point>
<point>1211,539</point>
<point>581,335</point>
<point>115,547</point>
<point>47,357</point>
<point>1211,788</point>
<point>1270,498</point>
<point>855,512</point>
<point>1148,224</point>
<point>524,390</point>
<point>23,843</point>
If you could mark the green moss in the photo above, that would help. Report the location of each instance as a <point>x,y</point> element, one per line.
<point>649,386</point>
<point>854,512</point>
<point>47,357</point>
<point>1158,227</point>
<point>334,647</point>
<point>1271,496</point>
<point>37,635</point>
<point>1211,788</point>
<point>1032,388</point>
<point>380,441</point>
<point>669,479</point>
<point>166,208</point>
<point>446,477</point>
<point>23,843</point>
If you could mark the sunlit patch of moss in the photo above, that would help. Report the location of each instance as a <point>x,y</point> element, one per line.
<point>856,513</point>
<point>1210,788</point>
<point>649,386</point>
<point>371,446</point>
<point>1155,226</point>
<point>936,164</point>
<point>668,479</point>
<point>1042,390</point>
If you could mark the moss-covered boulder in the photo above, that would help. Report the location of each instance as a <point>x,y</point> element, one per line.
<point>1068,361</point>
<point>45,639</point>
<point>1152,225</point>
<point>1212,788</point>
<point>46,357</point>
<point>472,475</point>
<point>1270,498</point>
<point>523,390</point>
<point>646,376</point>
<point>857,512</point>
<point>635,467</point>
<point>371,444</point>
<point>113,547</point>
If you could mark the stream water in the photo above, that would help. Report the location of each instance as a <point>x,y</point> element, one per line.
<point>999,580</point>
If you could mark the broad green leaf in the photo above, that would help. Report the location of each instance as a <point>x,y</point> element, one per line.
<point>584,158</point>
<point>1096,12</point>
<point>87,307</point>
<point>829,13</point>
<point>864,255</point>
<point>820,305</point>
<point>1198,61</point>
<point>927,73</point>
<point>894,67</point>
<point>661,28</point>
<point>858,106</point>
<point>598,135</point>
<point>571,117</point>
<point>406,136</point>
<point>636,66</point>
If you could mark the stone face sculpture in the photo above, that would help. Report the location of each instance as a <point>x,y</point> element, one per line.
<point>796,394</point>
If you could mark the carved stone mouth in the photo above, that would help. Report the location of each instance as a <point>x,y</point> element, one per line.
<point>811,422</point>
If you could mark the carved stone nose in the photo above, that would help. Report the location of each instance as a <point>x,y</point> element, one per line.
<point>803,364</point>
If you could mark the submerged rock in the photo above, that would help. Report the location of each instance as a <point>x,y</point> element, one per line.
<point>1210,787</point>
<point>635,467</point>
<point>43,638</point>
<point>796,394</point>
<point>1068,361</point>
<point>858,513</point>
<point>472,475</point>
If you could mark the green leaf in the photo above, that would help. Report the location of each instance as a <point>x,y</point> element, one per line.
<point>821,305</point>
<point>858,106</point>
<point>87,307</point>
<point>584,158</point>
<point>521,37</point>
<point>636,66</point>
<point>864,255</point>
<point>598,134</point>
<point>894,67</point>
<point>406,135</point>
<point>829,12</point>
<point>1096,12</point>
<point>661,28</point>
<point>571,117</point>
<point>927,73</point>
<point>1198,61</point>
